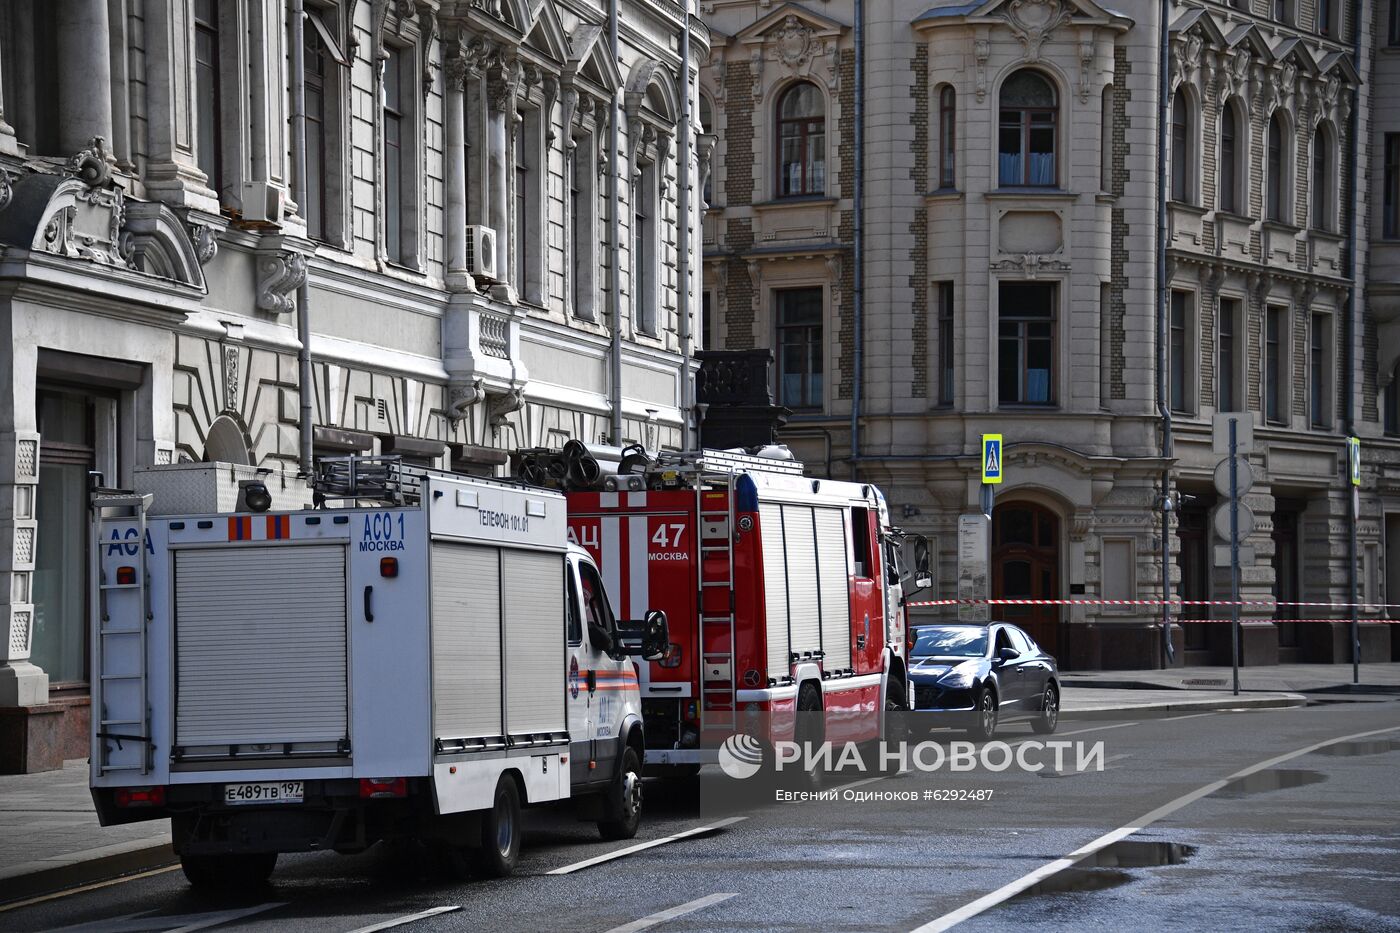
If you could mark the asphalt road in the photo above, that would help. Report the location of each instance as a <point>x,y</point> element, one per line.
<point>1309,842</point>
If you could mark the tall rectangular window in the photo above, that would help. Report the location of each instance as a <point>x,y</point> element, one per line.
<point>800,364</point>
<point>1394,31</point>
<point>583,222</point>
<point>946,358</point>
<point>1390,197</point>
<point>644,251</point>
<point>1180,311</point>
<point>1326,18</point>
<point>314,54</point>
<point>1229,159</point>
<point>1026,343</point>
<point>948,124</point>
<point>522,199</point>
<point>1319,372</point>
<point>1275,354</point>
<point>208,126</point>
<point>707,324</point>
<point>1225,366</point>
<point>1390,403</point>
<point>393,154</point>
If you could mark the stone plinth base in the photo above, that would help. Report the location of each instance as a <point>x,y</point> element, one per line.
<point>31,738</point>
<point>1330,642</point>
<point>1126,647</point>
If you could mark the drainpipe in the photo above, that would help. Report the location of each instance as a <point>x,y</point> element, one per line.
<point>305,390</point>
<point>614,246</point>
<point>688,439</point>
<point>1164,407</point>
<point>858,199</point>
<point>1350,323</point>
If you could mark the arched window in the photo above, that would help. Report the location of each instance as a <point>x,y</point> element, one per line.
<point>1274,199</point>
<point>801,141</point>
<point>1229,159</point>
<point>1181,148</point>
<point>1029,113</point>
<point>948,135</point>
<point>1321,180</point>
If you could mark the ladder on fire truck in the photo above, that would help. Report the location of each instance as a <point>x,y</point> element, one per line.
<point>715,473</point>
<point>109,640</point>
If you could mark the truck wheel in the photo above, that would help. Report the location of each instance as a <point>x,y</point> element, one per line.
<point>808,733</point>
<point>228,872</point>
<point>624,801</point>
<point>500,832</point>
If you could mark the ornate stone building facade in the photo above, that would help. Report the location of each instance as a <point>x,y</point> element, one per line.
<point>1007,284</point>
<point>489,248</point>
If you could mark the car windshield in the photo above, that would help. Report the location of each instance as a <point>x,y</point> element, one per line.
<point>943,641</point>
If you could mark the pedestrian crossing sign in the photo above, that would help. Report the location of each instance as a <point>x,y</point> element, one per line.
<point>991,458</point>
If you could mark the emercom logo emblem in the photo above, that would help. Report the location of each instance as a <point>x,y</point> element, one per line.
<point>740,756</point>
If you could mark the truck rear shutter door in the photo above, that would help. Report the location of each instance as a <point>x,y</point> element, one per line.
<point>835,587</point>
<point>775,595</point>
<point>466,641</point>
<point>533,583</point>
<point>803,606</point>
<point>260,653</point>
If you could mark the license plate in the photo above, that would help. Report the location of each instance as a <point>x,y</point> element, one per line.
<point>264,792</point>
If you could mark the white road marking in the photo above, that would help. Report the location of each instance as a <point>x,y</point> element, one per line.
<point>148,922</point>
<point>400,921</point>
<point>29,902</point>
<point>671,913</point>
<point>649,844</point>
<point>1072,773</point>
<point>1189,716</point>
<point>1008,891</point>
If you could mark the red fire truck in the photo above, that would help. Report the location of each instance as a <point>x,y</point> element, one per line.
<point>784,593</point>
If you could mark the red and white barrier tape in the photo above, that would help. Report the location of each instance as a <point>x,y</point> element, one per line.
<point>1270,603</point>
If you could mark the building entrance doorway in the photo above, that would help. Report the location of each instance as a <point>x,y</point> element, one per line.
<point>1026,565</point>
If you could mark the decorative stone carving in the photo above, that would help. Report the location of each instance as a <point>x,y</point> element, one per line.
<point>550,92</point>
<point>230,377</point>
<point>427,31</point>
<point>1303,295</point>
<point>7,191</point>
<point>981,51</point>
<point>1030,265</point>
<point>461,396</point>
<point>90,166</point>
<point>1086,66</point>
<point>206,242</point>
<point>793,42</point>
<point>1032,22</point>
<point>279,275</point>
<point>500,406</point>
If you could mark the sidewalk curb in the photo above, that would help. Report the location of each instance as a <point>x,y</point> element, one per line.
<point>60,872</point>
<point>1274,701</point>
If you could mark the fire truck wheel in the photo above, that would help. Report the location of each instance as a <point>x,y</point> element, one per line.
<point>231,872</point>
<point>1049,716</point>
<point>895,697</point>
<point>809,734</point>
<point>984,721</point>
<point>624,800</point>
<point>500,832</point>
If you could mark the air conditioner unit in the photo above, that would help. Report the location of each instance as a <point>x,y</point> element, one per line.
<point>481,251</point>
<point>264,202</point>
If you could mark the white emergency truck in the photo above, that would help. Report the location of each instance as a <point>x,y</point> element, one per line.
<point>325,678</point>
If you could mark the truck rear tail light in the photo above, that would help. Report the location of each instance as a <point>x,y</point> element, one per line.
<point>126,576</point>
<point>672,657</point>
<point>140,796</point>
<point>388,566</point>
<point>692,711</point>
<point>383,788</point>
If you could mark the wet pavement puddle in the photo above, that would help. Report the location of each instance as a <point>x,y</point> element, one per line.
<point>1108,867</point>
<point>1261,782</point>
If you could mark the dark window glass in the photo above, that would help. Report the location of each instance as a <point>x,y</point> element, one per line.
<point>1026,343</point>
<point>946,359</point>
<point>1394,22</point>
<point>863,566</point>
<point>802,141</point>
<point>643,240</point>
<point>948,124</point>
<point>1180,151</point>
<point>1391,195</point>
<point>1229,160</point>
<point>1391,402</point>
<point>800,347</point>
<point>1178,345</point>
<point>574,632</point>
<point>522,190</point>
<point>707,333</point>
<point>1274,170</point>
<point>314,210</point>
<point>1326,13</point>
<point>209,136</point>
<point>1317,372</point>
<point>1026,140</point>
<point>1273,365</point>
<point>1321,181</point>
<point>393,155</point>
<point>1225,356</point>
<point>576,240</point>
<point>1281,11</point>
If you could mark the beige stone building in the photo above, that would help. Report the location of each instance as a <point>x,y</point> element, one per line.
<point>490,251</point>
<point>1000,276</point>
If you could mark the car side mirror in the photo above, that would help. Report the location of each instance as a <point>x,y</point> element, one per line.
<point>648,639</point>
<point>923,573</point>
<point>1007,654</point>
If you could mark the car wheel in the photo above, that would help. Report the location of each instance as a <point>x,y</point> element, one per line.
<point>500,832</point>
<point>1049,716</point>
<point>984,722</point>
<point>624,801</point>
<point>233,872</point>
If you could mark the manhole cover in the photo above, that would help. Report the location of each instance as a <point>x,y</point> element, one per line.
<point>1204,682</point>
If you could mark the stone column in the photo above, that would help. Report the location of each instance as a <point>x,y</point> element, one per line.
<point>172,173</point>
<point>21,683</point>
<point>8,146</point>
<point>503,80</point>
<point>85,80</point>
<point>455,183</point>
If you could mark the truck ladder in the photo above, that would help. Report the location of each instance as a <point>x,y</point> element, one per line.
<point>109,639</point>
<point>718,679</point>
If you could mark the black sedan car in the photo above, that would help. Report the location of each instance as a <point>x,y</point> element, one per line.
<point>974,675</point>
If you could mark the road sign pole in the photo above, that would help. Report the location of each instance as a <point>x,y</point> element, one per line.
<point>1355,616</point>
<point>1234,558</point>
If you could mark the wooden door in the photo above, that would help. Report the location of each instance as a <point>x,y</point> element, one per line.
<point>1026,565</point>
